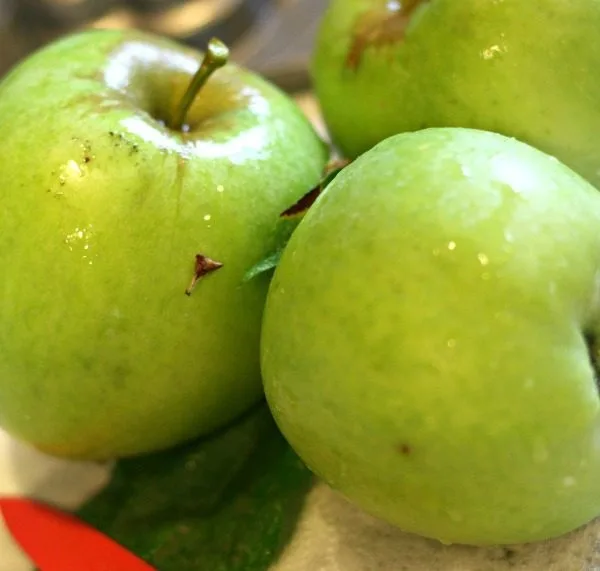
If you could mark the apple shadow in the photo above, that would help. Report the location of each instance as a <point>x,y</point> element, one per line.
<point>333,534</point>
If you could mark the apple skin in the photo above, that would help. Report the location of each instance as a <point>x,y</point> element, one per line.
<point>424,339</point>
<point>103,210</point>
<point>524,69</point>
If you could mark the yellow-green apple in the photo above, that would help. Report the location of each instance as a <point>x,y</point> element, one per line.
<point>430,338</point>
<point>117,193</point>
<point>524,69</point>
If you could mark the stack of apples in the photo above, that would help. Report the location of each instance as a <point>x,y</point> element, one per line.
<point>429,340</point>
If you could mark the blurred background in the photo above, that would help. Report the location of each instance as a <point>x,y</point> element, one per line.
<point>272,37</point>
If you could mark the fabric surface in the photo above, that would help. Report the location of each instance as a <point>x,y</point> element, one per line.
<point>332,534</point>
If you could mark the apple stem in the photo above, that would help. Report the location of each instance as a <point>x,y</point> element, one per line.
<point>204,265</point>
<point>216,56</point>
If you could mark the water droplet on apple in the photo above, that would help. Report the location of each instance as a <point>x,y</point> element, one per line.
<point>483,259</point>
<point>493,51</point>
<point>451,343</point>
<point>207,217</point>
<point>508,236</point>
<point>79,240</point>
<point>467,172</point>
<point>452,245</point>
<point>220,188</point>
<point>70,171</point>
<point>73,168</point>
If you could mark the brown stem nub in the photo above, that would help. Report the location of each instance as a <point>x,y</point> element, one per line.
<point>204,265</point>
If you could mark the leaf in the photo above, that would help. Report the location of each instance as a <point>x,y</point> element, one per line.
<point>290,218</point>
<point>228,503</point>
<point>265,265</point>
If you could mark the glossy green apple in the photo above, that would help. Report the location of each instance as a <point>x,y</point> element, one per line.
<point>523,69</point>
<point>103,211</point>
<point>427,338</point>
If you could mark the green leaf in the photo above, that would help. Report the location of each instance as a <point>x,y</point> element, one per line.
<point>290,218</point>
<point>283,231</point>
<point>267,264</point>
<point>228,503</point>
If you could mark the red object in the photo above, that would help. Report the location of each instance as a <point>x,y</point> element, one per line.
<point>58,541</point>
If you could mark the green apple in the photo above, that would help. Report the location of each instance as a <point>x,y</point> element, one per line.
<point>524,69</point>
<point>109,214</point>
<point>430,337</point>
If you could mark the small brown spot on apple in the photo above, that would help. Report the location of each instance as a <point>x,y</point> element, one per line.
<point>404,449</point>
<point>203,265</point>
<point>379,27</point>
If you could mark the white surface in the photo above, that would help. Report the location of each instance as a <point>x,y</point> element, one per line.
<point>24,471</point>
